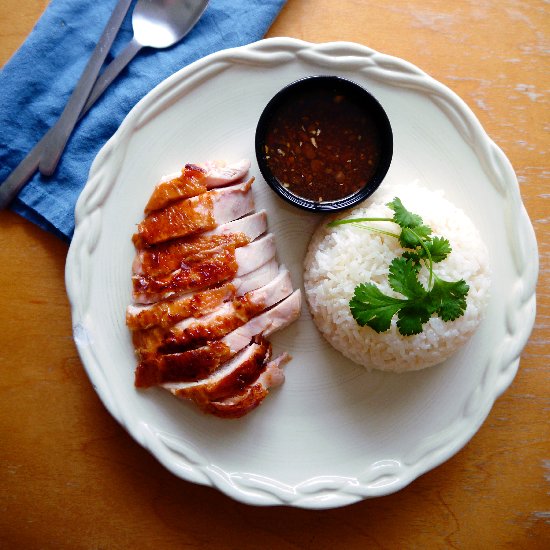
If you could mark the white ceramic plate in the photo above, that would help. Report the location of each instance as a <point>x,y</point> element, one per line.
<point>332,434</point>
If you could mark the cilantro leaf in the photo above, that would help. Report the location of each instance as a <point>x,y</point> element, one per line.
<point>439,249</point>
<point>448,298</point>
<point>403,278</point>
<point>369,306</point>
<point>413,230</point>
<point>413,257</point>
<point>402,216</point>
<point>414,237</point>
<point>412,317</point>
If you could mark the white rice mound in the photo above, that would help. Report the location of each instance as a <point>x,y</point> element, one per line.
<point>338,259</point>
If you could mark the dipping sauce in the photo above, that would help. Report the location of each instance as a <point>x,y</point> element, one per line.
<point>322,145</point>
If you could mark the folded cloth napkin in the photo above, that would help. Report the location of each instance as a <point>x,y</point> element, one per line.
<point>36,84</point>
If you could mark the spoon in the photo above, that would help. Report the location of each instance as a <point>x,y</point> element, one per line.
<point>156,24</point>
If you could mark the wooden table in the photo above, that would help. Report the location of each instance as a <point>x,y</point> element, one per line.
<point>73,478</point>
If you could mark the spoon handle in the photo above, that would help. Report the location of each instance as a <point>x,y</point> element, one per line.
<point>64,126</point>
<point>111,72</point>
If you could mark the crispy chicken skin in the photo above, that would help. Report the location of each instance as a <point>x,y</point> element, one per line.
<point>196,214</point>
<point>166,257</point>
<point>187,366</point>
<point>220,266</point>
<point>195,180</point>
<point>190,183</point>
<point>196,304</point>
<point>204,269</point>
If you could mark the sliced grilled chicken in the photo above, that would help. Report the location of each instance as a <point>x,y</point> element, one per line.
<point>169,312</point>
<point>192,332</point>
<point>195,214</point>
<point>242,403</point>
<point>196,364</point>
<point>258,278</point>
<point>189,183</point>
<point>221,266</point>
<point>220,173</point>
<point>194,180</point>
<point>231,379</point>
<point>165,257</point>
<point>217,265</point>
<point>207,291</point>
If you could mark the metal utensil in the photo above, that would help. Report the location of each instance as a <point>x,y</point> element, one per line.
<point>171,19</point>
<point>156,24</point>
<point>67,120</point>
<point>28,166</point>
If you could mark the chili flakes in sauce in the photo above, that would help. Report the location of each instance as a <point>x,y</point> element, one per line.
<point>322,146</point>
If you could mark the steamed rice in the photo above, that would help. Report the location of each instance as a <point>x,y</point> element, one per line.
<point>338,259</point>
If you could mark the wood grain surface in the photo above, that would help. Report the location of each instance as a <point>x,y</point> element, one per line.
<point>72,477</point>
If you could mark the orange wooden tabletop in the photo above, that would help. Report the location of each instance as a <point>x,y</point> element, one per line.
<point>73,478</point>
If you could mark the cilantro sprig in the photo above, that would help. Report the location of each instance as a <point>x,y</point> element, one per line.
<point>447,299</point>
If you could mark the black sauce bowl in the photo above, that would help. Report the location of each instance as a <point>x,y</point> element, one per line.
<point>337,85</point>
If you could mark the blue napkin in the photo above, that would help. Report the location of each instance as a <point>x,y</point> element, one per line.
<point>36,84</point>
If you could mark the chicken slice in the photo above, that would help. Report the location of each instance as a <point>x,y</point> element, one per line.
<point>242,403</point>
<point>196,214</point>
<point>168,312</point>
<point>251,257</point>
<point>164,258</point>
<point>252,226</point>
<point>154,369</point>
<point>189,183</point>
<point>231,379</point>
<point>217,265</point>
<point>199,363</point>
<point>192,333</point>
<point>194,180</point>
<point>276,318</point>
<point>221,173</point>
<point>258,278</point>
